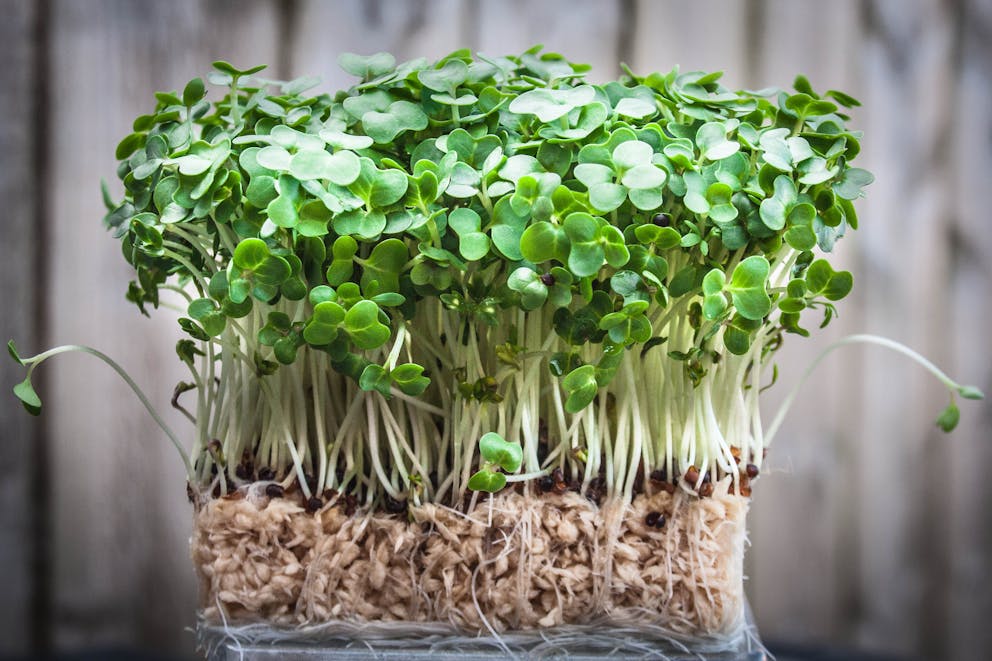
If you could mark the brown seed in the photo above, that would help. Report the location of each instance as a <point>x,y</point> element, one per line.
<point>314,504</point>
<point>659,475</point>
<point>651,520</point>
<point>560,486</point>
<point>752,471</point>
<point>274,490</point>
<point>745,490</point>
<point>394,506</point>
<point>736,453</point>
<point>692,475</point>
<point>706,489</point>
<point>669,487</point>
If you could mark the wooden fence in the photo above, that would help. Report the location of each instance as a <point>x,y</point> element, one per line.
<point>874,530</point>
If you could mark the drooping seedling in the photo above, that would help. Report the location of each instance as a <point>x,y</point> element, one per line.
<point>591,279</point>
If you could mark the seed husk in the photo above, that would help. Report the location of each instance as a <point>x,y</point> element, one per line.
<point>394,506</point>
<point>274,490</point>
<point>692,475</point>
<point>752,471</point>
<point>266,474</point>
<point>651,520</point>
<point>314,504</point>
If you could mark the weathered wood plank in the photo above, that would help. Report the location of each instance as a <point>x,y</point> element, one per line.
<point>801,528</point>
<point>19,235</point>
<point>121,521</point>
<point>908,57</point>
<point>967,529</point>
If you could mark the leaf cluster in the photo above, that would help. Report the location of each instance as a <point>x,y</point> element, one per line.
<point>489,184</point>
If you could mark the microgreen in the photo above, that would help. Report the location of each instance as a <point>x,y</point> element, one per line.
<point>373,279</point>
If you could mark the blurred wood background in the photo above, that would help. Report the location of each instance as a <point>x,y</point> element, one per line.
<point>872,530</point>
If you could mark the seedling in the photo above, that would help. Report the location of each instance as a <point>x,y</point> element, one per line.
<point>591,279</point>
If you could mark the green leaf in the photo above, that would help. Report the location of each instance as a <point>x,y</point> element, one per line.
<point>446,79</point>
<point>282,212</point>
<point>851,182</point>
<point>322,329</point>
<point>533,292</point>
<point>375,377</point>
<point>367,67</point>
<point>400,116</point>
<point>25,392</point>
<point>495,450</point>
<point>586,255</point>
<point>747,288</point>
<point>544,241</point>
<point>409,379</point>
<point>363,326</point>
<point>12,350</point>
<point>581,386</point>
<point>949,417</point>
<point>487,480</point>
<point>193,92</point>
<point>970,392</point>
<point>383,266</point>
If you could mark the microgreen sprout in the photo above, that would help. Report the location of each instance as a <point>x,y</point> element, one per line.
<point>591,279</point>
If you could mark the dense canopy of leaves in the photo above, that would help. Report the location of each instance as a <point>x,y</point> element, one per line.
<point>489,183</point>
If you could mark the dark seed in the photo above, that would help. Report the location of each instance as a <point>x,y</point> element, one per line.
<point>692,475</point>
<point>660,523</point>
<point>266,474</point>
<point>659,475</point>
<point>662,220</point>
<point>546,484</point>
<point>547,279</point>
<point>350,504</point>
<point>752,471</point>
<point>314,504</point>
<point>243,472</point>
<point>706,489</point>
<point>274,490</point>
<point>651,520</point>
<point>394,506</point>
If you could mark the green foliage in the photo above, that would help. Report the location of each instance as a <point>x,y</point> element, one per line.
<point>497,455</point>
<point>511,176</point>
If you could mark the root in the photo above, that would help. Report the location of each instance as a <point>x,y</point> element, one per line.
<point>512,564</point>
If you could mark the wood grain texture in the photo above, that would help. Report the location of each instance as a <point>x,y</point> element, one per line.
<point>121,520</point>
<point>18,236</point>
<point>965,579</point>
<point>801,528</point>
